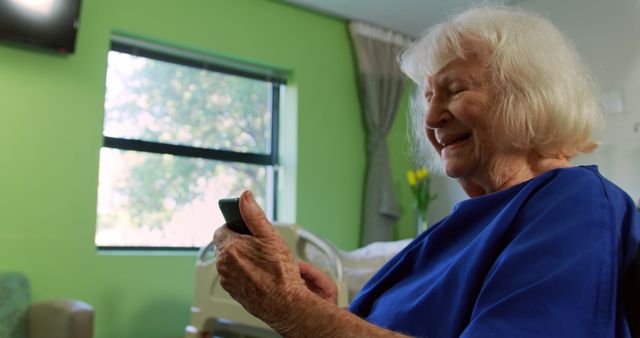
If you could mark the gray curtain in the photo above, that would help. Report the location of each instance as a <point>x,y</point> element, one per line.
<point>381,85</point>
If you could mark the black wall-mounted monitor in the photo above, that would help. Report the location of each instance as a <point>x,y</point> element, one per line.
<point>49,24</point>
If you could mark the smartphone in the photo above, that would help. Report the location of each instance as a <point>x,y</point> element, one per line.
<point>230,208</point>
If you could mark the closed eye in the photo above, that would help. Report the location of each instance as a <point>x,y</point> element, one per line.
<point>428,95</point>
<point>455,90</point>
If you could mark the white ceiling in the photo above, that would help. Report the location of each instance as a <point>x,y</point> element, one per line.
<point>409,17</point>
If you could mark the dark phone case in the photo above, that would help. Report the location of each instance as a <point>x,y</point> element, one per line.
<point>230,208</point>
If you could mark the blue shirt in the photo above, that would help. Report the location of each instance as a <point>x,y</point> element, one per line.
<point>541,259</point>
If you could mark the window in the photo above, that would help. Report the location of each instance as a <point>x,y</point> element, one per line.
<point>181,130</point>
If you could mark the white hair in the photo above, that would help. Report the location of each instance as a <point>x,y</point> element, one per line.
<point>545,95</point>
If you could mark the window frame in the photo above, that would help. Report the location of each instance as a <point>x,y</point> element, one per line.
<point>202,61</point>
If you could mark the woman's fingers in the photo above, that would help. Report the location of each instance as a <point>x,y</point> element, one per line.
<point>318,282</point>
<point>260,271</point>
<point>254,217</point>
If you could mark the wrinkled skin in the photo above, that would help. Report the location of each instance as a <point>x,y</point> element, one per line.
<point>318,283</point>
<point>260,272</point>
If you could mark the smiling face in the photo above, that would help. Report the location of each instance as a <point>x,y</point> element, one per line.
<point>462,125</point>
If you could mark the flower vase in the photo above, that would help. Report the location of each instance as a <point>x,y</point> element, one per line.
<point>422,222</point>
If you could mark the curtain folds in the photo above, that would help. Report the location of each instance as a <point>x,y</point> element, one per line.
<point>381,84</point>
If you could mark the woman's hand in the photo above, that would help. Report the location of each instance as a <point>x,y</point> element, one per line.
<point>318,282</point>
<point>259,271</point>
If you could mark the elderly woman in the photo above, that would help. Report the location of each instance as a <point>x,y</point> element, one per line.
<point>539,250</point>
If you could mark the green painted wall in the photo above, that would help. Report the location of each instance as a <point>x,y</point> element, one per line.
<point>50,134</point>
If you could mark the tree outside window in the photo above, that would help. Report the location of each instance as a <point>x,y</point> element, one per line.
<point>180,133</point>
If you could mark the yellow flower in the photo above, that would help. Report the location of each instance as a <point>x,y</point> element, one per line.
<point>411,177</point>
<point>420,183</point>
<point>422,173</point>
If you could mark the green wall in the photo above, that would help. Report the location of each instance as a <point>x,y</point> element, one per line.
<point>51,112</point>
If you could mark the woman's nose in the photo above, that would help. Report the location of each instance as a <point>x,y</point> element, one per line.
<point>436,112</point>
